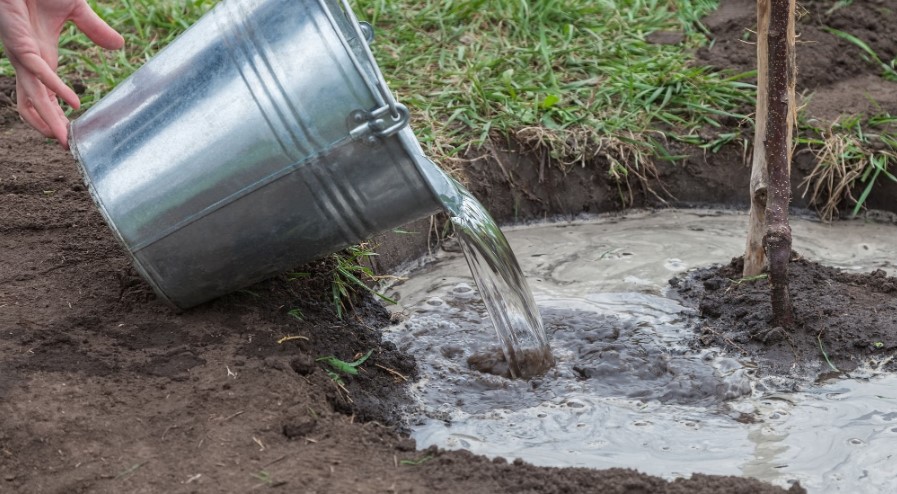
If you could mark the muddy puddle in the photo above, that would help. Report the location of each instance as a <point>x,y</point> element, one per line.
<point>627,391</point>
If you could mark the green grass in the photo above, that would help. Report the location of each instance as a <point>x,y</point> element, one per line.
<point>576,76</point>
<point>341,367</point>
<point>264,477</point>
<point>573,78</point>
<point>825,354</point>
<point>854,152</point>
<point>888,69</point>
<point>416,461</point>
<point>349,276</point>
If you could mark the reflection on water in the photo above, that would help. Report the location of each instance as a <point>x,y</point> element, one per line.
<point>627,391</point>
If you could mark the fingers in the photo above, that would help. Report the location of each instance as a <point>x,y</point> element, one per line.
<point>39,108</point>
<point>36,56</point>
<point>33,119</point>
<point>95,28</point>
<point>33,65</point>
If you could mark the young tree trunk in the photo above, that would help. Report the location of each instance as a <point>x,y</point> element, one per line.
<point>754,257</point>
<point>779,125</point>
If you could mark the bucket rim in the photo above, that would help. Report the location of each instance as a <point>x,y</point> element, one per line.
<point>142,270</point>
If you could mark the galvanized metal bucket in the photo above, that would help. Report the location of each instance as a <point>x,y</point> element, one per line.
<point>263,137</point>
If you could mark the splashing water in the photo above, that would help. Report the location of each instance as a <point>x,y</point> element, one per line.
<point>525,351</point>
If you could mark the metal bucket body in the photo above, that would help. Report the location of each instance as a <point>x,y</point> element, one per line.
<point>256,141</point>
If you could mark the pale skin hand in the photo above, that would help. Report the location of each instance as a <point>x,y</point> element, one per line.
<point>29,31</point>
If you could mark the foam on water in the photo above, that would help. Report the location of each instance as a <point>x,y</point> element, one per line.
<point>626,390</point>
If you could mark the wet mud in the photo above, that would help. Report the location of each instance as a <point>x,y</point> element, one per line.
<point>612,356</point>
<point>531,363</point>
<point>632,378</point>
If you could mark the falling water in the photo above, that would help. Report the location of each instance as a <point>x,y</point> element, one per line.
<point>525,351</point>
<point>504,289</point>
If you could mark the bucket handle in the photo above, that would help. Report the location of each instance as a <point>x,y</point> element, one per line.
<point>372,124</point>
<point>385,95</point>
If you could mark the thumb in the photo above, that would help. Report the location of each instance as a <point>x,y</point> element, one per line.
<point>96,28</point>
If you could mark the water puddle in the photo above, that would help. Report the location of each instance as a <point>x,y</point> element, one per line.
<point>626,391</point>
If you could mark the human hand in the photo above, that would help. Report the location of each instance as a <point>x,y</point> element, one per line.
<point>29,31</point>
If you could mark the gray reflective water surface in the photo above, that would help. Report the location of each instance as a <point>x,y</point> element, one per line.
<point>626,391</point>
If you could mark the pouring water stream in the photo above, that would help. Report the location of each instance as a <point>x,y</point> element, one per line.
<point>503,287</point>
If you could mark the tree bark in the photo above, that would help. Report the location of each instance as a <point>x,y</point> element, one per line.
<point>779,125</point>
<point>754,257</point>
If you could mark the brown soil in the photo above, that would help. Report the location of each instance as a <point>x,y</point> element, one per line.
<point>849,319</point>
<point>105,389</point>
<point>827,64</point>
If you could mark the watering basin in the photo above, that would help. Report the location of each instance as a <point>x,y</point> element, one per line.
<point>628,390</point>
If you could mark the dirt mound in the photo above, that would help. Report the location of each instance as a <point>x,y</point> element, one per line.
<point>823,58</point>
<point>843,319</point>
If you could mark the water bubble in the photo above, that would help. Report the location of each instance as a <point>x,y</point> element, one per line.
<point>463,291</point>
<point>675,265</point>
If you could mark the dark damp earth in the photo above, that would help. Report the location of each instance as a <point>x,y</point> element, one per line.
<point>103,388</point>
<point>850,317</point>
